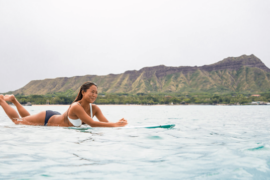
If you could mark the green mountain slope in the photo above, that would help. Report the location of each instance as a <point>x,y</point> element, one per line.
<point>233,74</point>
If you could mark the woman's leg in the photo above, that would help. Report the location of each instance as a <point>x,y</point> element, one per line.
<point>22,111</point>
<point>12,113</point>
<point>37,119</point>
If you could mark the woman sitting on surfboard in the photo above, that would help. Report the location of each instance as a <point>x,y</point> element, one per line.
<point>80,111</point>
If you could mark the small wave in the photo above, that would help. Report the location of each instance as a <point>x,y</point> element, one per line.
<point>154,137</point>
<point>257,148</point>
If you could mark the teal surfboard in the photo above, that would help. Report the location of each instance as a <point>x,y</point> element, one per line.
<point>165,126</point>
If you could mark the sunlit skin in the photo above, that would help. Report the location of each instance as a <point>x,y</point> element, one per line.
<point>76,111</point>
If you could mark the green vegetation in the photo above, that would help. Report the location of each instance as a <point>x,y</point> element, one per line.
<point>230,81</point>
<point>46,99</point>
<point>142,98</point>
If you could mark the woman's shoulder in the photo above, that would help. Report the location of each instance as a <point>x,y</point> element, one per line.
<point>95,107</point>
<point>75,105</point>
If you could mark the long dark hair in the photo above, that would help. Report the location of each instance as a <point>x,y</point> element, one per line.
<point>84,88</point>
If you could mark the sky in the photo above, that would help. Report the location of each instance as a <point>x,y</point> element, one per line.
<point>64,38</point>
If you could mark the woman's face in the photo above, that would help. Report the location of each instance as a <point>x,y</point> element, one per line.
<point>91,94</point>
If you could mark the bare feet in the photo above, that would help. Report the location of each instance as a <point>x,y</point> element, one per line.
<point>1,97</point>
<point>9,98</point>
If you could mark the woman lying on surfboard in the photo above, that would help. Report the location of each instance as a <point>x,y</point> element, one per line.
<point>80,111</point>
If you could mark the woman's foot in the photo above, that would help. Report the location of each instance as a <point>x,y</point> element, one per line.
<point>10,98</point>
<point>1,99</point>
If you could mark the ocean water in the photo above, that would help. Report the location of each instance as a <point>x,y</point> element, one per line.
<point>208,142</point>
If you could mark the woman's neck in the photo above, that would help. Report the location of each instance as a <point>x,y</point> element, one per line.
<point>84,103</point>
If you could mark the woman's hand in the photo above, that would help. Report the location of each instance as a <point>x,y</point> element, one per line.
<point>122,122</point>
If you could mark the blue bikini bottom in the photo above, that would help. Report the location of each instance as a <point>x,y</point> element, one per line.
<point>49,114</point>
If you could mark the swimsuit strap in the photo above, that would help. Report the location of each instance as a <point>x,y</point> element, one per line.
<point>91,110</point>
<point>78,103</point>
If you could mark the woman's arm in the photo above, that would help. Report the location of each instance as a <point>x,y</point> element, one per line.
<point>81,114</point>
<point>100,115</point>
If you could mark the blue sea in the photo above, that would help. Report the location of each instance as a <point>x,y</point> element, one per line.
<point>208,142</point>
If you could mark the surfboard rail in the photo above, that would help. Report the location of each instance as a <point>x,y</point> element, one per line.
<point>165,126</point>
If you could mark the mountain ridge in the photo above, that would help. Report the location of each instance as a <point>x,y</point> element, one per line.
<point>244,73</point>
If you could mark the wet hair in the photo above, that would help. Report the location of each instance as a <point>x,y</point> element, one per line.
<point>84,88</point>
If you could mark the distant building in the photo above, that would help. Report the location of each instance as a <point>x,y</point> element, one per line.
<point>28,104</point>
<point>255,95</point>
<point>259,103</point>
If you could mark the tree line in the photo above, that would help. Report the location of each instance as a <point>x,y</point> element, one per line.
<point>151,99</point>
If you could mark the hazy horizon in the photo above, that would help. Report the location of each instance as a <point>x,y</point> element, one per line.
<point>50,39</point>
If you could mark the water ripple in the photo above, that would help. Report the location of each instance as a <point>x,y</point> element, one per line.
<point>208,142</point>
